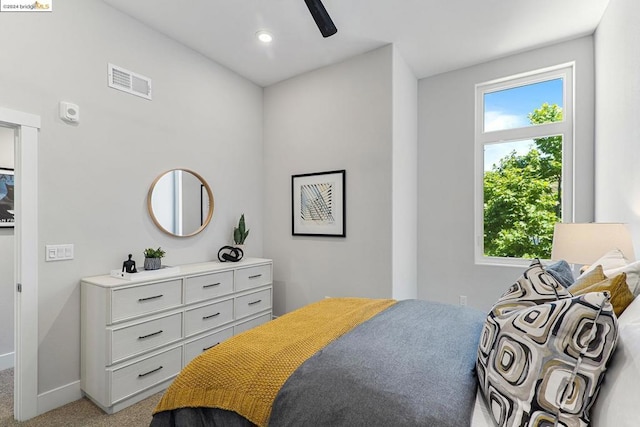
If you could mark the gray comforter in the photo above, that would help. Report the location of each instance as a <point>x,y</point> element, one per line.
<point>411,365</point>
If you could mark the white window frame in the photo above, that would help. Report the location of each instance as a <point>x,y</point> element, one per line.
<point>482,138</point>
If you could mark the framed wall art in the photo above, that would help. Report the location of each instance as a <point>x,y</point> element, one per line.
<point>6,198</point>
<point>318,203</point>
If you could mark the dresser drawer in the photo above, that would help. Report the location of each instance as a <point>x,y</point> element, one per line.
<point>131,302</point>
<point>137,334</point>
<point>134,378</point>
<point>252,303</point>
<point>208,317</point>
<point>195,348</point>
<point>140,337</point>
<point>252,277</point>
<point>200,288</point>
<point>249,324</point>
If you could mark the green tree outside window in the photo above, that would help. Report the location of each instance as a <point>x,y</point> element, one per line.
<point>523,196</point>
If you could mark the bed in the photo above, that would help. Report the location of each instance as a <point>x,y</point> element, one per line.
<point>372,362</point>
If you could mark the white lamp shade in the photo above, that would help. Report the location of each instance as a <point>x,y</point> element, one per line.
<point>587,242</point>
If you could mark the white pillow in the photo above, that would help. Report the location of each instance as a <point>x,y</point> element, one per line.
<point>612,259</point>
<point>617,404</point>
<point>613,263</point>
<point>631,314</point>
<point>481,416</point>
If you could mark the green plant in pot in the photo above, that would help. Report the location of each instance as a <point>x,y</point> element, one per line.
<point>240,232</point>
<point>153,258</point>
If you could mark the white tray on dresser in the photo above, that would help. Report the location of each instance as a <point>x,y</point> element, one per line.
<point>138,333</point>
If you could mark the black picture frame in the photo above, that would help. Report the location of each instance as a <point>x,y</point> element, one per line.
<point>318,204</point>
<point>7,202</point>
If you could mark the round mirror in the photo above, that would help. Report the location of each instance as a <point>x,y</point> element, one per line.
<point>180,202</point>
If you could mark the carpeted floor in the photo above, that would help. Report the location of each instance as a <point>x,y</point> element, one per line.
<point>81,413</point>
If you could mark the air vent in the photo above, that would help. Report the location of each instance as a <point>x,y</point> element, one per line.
<point>130,82</point>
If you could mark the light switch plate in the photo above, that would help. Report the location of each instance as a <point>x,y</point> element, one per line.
<point>58,252</point>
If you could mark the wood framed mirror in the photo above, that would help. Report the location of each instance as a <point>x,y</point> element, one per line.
<point>180,202</point>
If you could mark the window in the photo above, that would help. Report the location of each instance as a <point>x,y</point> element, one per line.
<point>524,164</point>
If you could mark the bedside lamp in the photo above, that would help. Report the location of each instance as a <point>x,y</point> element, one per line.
<point>584,243</point>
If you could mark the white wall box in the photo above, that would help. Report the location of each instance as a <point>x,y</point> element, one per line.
<point>138,334</point>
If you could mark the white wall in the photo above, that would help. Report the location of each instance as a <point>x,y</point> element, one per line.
<point>405,180</point>
<point>94,176</point>
<point>338,117</point>
<point>617,65</point>
<point>359,115</point>
<point>446,267</point>
<point>6,262</point>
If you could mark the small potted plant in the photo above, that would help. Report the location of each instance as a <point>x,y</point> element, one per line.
<point>153,258</point>
<point>240,232</point>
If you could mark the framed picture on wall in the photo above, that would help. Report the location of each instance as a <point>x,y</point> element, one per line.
<point>318,203</point>
<point>6,198</point>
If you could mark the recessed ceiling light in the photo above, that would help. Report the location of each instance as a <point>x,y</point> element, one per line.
<point>264,36</point>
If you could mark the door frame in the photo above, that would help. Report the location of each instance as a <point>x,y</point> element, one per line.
<point>25,392</point>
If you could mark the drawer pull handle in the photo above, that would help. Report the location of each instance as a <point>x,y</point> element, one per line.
<point>150,298</point>
<point>255,302</point>
<point>210,286</point>
<point>210,316</point>
<point>255,276</point>
<point>211,346</point>
<point>150,372</point>
<point>150,335</point>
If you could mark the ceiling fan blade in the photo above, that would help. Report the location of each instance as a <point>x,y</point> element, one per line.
<point>322,18</point>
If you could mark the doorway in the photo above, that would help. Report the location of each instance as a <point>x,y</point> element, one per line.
<point>25,128</point>
<point>7,251</point>
<point>7,166</point>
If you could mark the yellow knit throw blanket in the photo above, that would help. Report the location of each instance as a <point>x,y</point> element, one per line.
<point>245,373</point>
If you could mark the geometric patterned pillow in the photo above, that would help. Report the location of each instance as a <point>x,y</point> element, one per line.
<point>534,287</point>
<point>543,353</point>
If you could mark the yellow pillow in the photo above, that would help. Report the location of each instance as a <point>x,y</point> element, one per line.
<point>621,295</point>
<point>587,279</point>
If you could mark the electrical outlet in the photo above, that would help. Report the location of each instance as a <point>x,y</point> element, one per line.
<point>463,300</point>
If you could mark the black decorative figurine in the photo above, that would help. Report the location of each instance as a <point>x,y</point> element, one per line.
<point>129,266</point>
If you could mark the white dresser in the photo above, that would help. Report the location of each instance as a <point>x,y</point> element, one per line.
<point>138,334</point>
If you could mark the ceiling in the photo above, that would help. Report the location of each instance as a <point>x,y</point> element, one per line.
<point>433,36</point>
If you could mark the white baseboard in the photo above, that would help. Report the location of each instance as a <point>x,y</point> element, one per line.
<point>6,361</point>
<point>59,397</point>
